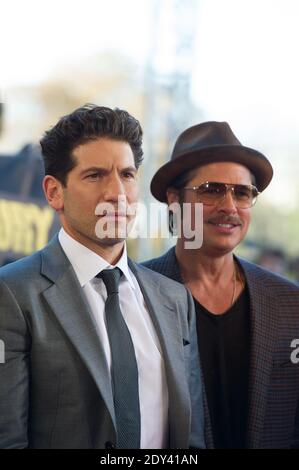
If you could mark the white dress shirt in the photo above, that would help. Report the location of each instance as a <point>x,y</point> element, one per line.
<point>153,391</point>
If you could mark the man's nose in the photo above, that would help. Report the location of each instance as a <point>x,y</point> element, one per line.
<point>113,188</point>
<point>228,202</point>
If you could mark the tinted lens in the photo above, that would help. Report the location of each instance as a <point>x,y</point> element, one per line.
<point>245,196</point>
<point>210,193</point>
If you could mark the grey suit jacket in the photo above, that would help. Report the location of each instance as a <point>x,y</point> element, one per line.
<point>55,389</point>
<point>273,417</point>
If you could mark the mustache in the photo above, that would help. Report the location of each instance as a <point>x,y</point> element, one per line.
<point>225,219</point>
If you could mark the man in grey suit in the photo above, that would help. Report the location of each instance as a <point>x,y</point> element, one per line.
<point>247,317</point>
<point>99,352</point>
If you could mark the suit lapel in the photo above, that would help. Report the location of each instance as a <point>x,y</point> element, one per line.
<point>72,311</point>
<point>264,329</point>
<point>167,327</point>
<point>170,266</point>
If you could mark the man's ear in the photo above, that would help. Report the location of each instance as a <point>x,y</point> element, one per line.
<point>54,192</point>
<point>172,196</point>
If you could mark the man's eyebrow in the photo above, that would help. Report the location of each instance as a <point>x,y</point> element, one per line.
<point>95,169</point>
<point>130,168</point>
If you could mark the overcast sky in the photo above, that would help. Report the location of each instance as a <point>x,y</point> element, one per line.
<point>245,60</point>
<point>244,67</point>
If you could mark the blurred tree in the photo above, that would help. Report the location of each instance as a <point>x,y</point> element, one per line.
<point>1,117</point>
<point>272,226</point>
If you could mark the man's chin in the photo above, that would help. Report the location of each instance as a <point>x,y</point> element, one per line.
<point>107,241</point>
<point>111,232</point>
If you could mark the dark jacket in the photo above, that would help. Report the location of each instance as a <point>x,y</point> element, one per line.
<point>273,418</point>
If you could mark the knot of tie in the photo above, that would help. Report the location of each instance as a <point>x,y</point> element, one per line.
<point>111,279</point>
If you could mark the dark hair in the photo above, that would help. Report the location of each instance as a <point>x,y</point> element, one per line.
<point>178,183</point>
<point>87,123</point>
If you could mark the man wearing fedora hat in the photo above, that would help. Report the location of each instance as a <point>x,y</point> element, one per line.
<point>247,317</point>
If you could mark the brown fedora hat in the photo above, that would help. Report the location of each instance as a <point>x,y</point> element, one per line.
<point>205,143</point>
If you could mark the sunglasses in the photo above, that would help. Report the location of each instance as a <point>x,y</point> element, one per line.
<point>211,193</point>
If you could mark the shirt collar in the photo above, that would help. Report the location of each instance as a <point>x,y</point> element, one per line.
<point>86,263</point>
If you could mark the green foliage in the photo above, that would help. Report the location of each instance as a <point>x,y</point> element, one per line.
<point>272,227</point>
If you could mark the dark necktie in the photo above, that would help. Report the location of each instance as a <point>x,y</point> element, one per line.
<point>124,371</point>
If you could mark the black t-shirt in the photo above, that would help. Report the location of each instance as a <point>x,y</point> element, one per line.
<point>224,343</point>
